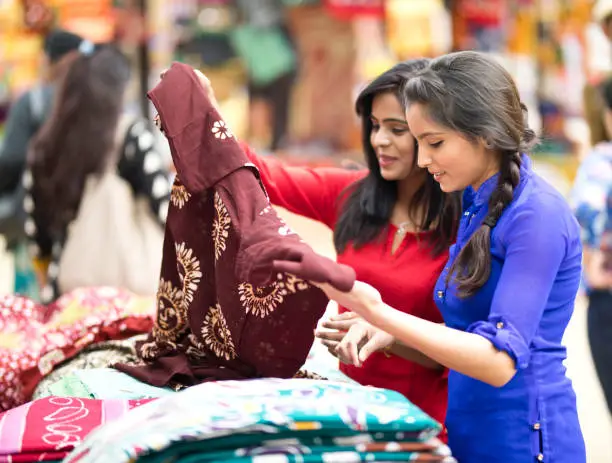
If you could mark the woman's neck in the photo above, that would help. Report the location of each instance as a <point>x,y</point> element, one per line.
<point>404,209</point>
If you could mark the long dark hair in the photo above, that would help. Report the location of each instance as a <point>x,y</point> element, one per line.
<point>472,94</point>
<point>80,133</point>
<point>368,204</point>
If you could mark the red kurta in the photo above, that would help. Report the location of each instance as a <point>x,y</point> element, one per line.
<point>405,279</point>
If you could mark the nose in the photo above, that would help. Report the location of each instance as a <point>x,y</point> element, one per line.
<point>381,138</point>
<point>423,159</point>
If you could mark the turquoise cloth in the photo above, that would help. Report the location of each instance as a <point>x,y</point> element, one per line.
<point>104,383</point>
<point>217,420</point>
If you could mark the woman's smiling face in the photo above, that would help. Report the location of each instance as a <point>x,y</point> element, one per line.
<point>454,161</point>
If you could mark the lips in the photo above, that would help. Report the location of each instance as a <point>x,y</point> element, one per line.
<point>437,175</point>
<point>385,161</point>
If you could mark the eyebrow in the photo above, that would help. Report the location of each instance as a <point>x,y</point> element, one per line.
<point>401,121</point>
<point>429,134</point>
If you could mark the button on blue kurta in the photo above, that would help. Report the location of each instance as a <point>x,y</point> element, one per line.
<point>523,309</point>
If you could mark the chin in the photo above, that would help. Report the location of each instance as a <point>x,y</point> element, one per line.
<point>391,175</point>
<point>449,187</point>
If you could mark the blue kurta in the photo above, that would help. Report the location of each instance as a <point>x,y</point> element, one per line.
<point>523,309</point>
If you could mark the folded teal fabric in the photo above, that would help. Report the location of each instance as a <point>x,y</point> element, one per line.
<point>213,421</point>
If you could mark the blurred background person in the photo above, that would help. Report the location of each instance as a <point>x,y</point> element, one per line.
<point>592,202</point>
<point>264,42</point>
<point>26,116</point>
<point>79,141</point>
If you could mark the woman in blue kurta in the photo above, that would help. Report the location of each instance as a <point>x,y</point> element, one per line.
<point>508,291</point>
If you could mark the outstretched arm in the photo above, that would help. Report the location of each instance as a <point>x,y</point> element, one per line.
<point>490,350</point>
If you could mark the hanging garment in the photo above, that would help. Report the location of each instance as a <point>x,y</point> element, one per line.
<point>223,313</point>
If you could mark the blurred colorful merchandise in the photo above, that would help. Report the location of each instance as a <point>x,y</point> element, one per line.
<point>428,23</point>
<point>20,51</point>
<point>37,15</point>
<point>354,9</point>
<point>92,19</point>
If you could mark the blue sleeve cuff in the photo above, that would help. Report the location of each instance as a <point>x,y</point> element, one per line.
<point>504,337</point>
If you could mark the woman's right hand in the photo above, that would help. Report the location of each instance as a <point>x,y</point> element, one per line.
<point>360,342</point>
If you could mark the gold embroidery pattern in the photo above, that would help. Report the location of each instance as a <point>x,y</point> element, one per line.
<point>263,301</point>
<point>188,270</point>
<point>216,334</point>
<point>221,226</point>
<point>171,313</point>
<point>150,350</point>
<point>179,195</point>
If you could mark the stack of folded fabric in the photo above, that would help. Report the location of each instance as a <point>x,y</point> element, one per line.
<point>48,429</point>
<point>35,339</point>
<point>269,420</point>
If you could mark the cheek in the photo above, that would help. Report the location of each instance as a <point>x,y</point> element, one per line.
<point>406,147</point>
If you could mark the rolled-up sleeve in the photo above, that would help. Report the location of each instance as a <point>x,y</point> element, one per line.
<point>536,242</point>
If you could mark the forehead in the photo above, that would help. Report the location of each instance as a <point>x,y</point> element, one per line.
<point>420,122</point>
<point>386,103</point>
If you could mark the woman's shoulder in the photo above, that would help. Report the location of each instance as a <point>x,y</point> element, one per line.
<point>539,206</point>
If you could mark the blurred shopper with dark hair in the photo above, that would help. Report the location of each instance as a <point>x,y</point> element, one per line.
<point>28,112</point>
<point>26,116</point>
<point>86,137</point>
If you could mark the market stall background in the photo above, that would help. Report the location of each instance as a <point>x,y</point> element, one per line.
<point>552,48</point>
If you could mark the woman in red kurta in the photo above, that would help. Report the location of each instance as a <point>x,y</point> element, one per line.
<point>392,224</point>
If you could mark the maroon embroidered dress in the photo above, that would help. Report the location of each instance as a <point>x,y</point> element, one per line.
<point>223,311</point>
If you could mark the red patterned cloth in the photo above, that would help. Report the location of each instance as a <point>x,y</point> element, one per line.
<point>34,338</point>
<point>48,429</point>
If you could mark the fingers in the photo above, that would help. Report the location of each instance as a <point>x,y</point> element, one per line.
<point>330,344</point>
<point>368,349</point>
<point>332,351</point>
<point>335,336</point>
<point>344,316</point>
<point>205,81</point>
<point>380,340</point>
<point>348,348</point>
<point>341,325</point>
<point>332,348</point>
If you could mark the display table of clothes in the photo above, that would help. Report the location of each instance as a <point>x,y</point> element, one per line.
<point>265,420</point>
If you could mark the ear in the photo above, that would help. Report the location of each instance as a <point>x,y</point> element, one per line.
<point>486,144</point>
